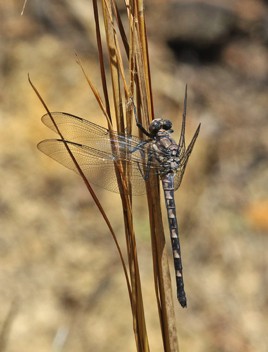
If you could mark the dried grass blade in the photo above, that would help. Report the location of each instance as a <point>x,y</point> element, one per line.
<point>162,274</point>
<point>118,165</point>
<point>145,55</point>
<point>88,187</point>
<point>121,28</point>
<point>117,51</point>
<point>96,93</point>
<point>110,40</point>
<point>137,307</point>
<point>145,117</point>
<point>100,51</point>
<point>7,324</point>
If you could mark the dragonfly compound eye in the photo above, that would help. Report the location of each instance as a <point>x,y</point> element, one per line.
<point>155,126</point>
<point>166,125</point>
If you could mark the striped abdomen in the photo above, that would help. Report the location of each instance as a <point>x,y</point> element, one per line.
<point>168,186</point>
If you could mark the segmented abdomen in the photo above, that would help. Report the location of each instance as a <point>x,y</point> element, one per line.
<point>168,186</point>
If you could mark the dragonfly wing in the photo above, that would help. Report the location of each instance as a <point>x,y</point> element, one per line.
<point>182,136</point>
<point>184,160</point>
<point>81,131</point>
<point>73,127</point>
<point>98,166</point>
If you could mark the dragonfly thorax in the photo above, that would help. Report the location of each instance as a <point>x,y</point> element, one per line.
<point>166,152</point>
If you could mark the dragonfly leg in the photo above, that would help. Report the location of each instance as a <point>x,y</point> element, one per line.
<point>126,131</point>
<point>145,175</point>
<point>138,124</point>
<point>143,130</point>
<point>140,145</point>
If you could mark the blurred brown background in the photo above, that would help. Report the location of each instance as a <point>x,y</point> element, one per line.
<point>62,286</point>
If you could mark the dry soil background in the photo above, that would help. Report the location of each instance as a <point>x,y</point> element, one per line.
<point>60,275</point>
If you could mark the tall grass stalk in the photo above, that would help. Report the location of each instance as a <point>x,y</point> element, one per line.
<point>125,87</point>
<point>131,84</point>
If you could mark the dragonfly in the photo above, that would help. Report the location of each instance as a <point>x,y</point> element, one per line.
<point>92,146</point>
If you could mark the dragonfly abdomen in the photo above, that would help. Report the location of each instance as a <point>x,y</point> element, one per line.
<point>168,186</point>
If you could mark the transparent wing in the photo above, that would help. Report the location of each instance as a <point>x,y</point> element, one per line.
<point>81,131</point>
<point>97,166</point>
<point>184,156</point>
<point>182,136</point>
<point>91,146</point>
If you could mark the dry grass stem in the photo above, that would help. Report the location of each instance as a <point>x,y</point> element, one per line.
<point>139,77</point>
<point>124,90</point>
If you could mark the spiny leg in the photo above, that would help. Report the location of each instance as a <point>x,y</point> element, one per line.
<point>138,124</point>
<point>145,175</point>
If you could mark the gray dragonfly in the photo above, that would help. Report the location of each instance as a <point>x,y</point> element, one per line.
<point>91,146</point>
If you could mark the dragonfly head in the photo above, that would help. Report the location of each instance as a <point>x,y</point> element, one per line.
<point>157,124</point>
